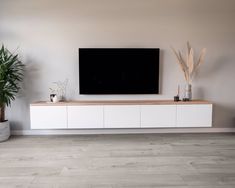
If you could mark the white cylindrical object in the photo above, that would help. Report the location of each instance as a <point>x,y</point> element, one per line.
<point>188,92</point>
<point>55,98</point>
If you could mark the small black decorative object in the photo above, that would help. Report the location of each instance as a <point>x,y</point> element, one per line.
<point>177,98</point>
<point>186,99</point>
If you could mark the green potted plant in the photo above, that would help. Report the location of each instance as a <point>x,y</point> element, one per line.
<point>11,74</point>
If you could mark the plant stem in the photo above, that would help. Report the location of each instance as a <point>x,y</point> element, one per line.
<point>2,113</point>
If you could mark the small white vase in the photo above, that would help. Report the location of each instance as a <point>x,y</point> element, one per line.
<point>53,98</point>
<point>4,131</point>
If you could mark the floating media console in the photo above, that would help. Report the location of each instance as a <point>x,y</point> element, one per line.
<point>120,114</point>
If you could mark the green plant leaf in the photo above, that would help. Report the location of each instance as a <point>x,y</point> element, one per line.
<point>11,74</point>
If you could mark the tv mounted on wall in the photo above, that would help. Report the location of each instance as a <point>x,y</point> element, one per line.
<point>119,70</point>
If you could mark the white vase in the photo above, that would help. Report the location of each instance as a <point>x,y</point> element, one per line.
<point>54,98</point>
<point>4,131</point>
<point>188,92</point>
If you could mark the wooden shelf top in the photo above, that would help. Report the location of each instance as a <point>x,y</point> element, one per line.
<point>118,102</point>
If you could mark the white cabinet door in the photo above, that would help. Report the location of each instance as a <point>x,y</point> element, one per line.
<point>122,116</point>
<point>48,117</point>
<point>158,116</point>
<point>85,117</point>
<point>197,115</point>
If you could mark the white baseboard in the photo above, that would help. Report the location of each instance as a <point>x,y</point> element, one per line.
<point>122,131</point>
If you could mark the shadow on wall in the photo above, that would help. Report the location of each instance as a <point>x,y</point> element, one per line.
<point>223,116</point>
<point>20,107</point>
<point>161,60</point>
<point>198,92</point>
<point>223,110</point>
<point>213,69</point>
<point>32,75</point>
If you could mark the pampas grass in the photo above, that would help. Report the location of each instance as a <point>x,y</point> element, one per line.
<point>188,64</point>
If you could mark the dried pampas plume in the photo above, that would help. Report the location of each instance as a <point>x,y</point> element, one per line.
<point>188,65</point>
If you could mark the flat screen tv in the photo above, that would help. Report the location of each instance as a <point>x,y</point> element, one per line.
<point>119,70</point>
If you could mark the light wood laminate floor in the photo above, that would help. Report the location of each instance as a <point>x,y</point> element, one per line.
<point>119,161</point>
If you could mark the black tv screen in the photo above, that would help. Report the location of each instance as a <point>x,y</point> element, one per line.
<point>119,70</point>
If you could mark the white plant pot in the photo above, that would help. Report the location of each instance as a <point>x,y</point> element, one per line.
<point>4,131</point>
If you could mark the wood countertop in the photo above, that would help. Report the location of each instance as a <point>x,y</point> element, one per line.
<point>118,102</point>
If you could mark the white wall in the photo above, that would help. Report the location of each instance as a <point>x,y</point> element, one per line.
<point>49,33</point>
